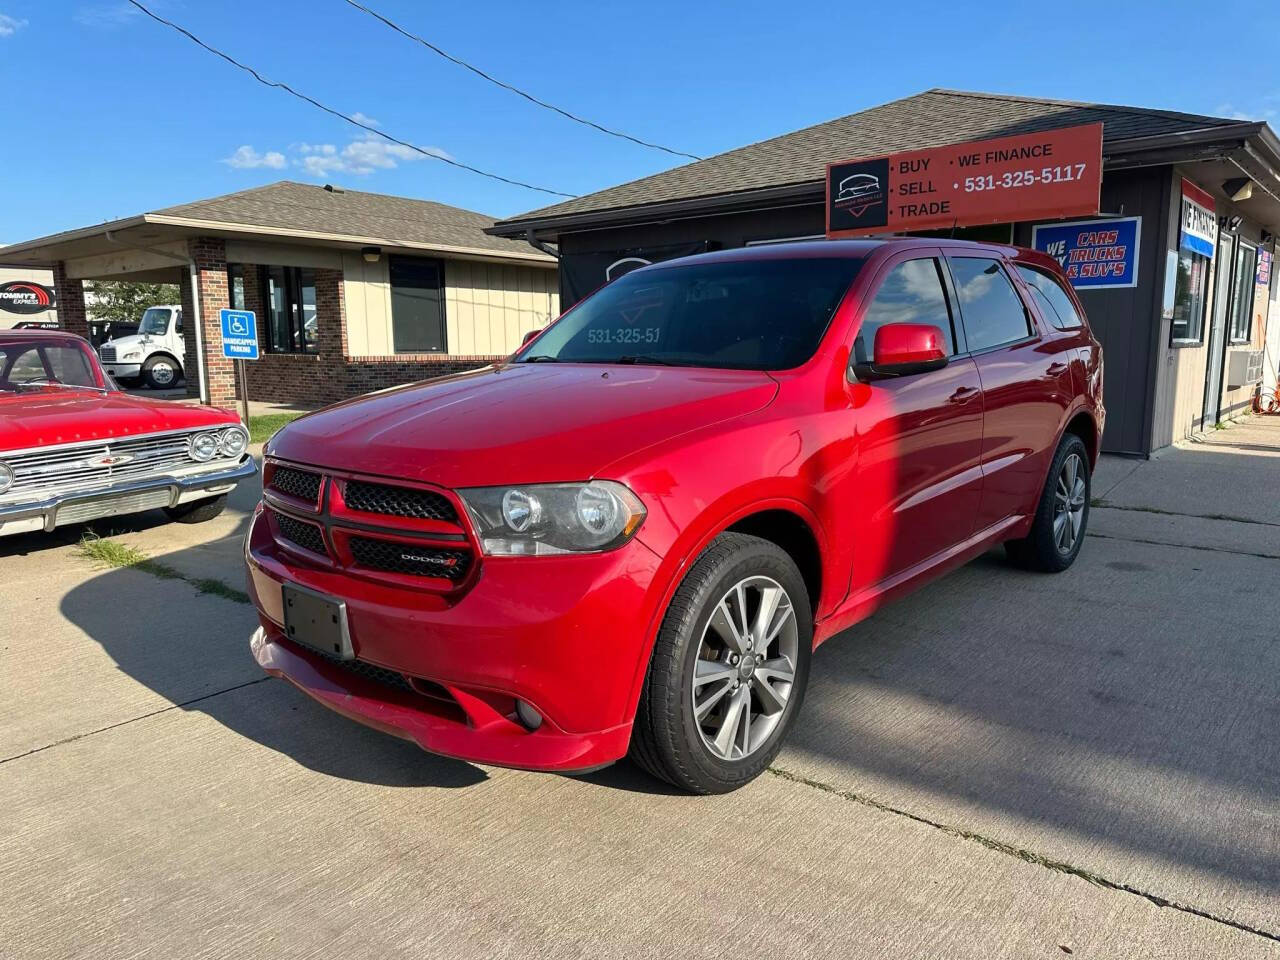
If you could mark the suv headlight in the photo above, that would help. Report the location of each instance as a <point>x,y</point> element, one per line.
<point>6,477</point>
<point>549,518</point>
<point>234,441</point>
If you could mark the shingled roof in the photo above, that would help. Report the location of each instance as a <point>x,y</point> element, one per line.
<point>309,213</point>
<point>287,205</point>
<point>927,119</point>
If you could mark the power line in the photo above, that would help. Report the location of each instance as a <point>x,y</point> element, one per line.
<point>338,113</point>
<point>516,90</point>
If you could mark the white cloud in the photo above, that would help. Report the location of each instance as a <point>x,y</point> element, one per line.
<point>10,25</point>
<point>359,117</point>
<point>358,158</point>
<point>247,158</point>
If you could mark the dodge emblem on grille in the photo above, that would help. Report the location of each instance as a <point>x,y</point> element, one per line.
<point>438,561</point>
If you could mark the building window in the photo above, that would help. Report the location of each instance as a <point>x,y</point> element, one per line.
<point>1189,300</point>
<point>235,285</point>
<point>417,305</point>
<point>290,302</point>
<point>1242,292</point>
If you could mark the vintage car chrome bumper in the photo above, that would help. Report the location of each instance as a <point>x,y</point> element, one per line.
<point>128,497</point>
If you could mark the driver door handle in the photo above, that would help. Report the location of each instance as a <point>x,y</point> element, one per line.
<point>963,395</point>
<point>1057,368</point>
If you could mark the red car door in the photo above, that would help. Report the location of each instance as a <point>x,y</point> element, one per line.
<point>1026,385</point>
<point>919,436</point>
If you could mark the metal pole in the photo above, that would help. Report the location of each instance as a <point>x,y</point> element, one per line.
<point>197,322</point>
<point>244,394</point>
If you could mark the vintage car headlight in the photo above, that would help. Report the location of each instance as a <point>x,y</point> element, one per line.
<point>204,446</point>
<point>234,441</point>
<point>549,518</point>
<point>6,477</point>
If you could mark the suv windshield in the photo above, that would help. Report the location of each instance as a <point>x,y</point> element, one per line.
<point>746,314</point>
<point>155,321</point>
<point>32,364</point>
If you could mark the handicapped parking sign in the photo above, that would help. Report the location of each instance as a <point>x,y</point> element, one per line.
<point>239,334</point>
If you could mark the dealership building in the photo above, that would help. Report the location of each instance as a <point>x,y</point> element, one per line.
<point>1173,263</point>
<point>352,291</point>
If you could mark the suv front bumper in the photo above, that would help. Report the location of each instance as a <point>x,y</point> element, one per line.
<point>130,497</point>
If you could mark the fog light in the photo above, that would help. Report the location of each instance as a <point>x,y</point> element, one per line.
<point>530,717</point>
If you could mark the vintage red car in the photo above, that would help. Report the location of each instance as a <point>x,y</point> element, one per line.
<point>73,447</point>
<point>630,536</point>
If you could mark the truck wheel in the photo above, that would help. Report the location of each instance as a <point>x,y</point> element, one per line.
<point>1062,516</point>
<point>729,668</point>
<point>161,371</point>
<point>197,511</point>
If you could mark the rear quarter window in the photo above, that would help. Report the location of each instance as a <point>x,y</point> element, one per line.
<point>1054,302</point>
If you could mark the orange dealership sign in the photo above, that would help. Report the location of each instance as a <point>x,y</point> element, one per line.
<point>1033,176</point>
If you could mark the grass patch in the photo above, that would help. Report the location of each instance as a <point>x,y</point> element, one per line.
<point>111,553</point>
<point>262,426</point>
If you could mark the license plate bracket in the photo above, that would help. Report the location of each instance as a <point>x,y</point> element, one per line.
<point>316,620</point>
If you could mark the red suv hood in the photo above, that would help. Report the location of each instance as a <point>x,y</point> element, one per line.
<point>522,423</point>
<point>60,415</point>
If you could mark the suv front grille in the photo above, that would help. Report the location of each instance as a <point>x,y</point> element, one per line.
<point>421,561</point>
<point>296,483</point>
<point>398,501</point>
<point>301,534</point>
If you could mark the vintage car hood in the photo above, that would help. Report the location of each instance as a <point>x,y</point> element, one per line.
<point>59,415</point>
<point>519,423</point>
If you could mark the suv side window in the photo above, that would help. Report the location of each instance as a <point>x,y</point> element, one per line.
<point>1051,298</point>
<point>912,292</point>
<point>177,322</point>
<point>993,312</point>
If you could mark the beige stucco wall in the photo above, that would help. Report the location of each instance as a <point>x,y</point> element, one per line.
<point>489,307</point>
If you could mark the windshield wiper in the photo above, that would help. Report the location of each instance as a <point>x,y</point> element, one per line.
<point>645,358</point>
<point>541,358</point>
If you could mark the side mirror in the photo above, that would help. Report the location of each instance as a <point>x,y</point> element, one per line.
<point>529,336</point>
<point>902,349</point>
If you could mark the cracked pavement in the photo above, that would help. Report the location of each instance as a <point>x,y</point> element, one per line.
<point>1003,765</point>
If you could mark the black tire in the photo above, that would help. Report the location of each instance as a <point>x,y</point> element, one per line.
<point>1041,549</point>
<point>197,511</point>
<point>153,371</point>
<point>666,741</point>
<point>129,383</point>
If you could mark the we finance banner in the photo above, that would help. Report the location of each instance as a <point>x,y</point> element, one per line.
<point>1035,176</point>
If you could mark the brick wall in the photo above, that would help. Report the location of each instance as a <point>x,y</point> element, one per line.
<point>70,294</point>
<point>331,375</point>
<point>210,258</point>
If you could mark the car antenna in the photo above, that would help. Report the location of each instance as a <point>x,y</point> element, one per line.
<point>953,227</point>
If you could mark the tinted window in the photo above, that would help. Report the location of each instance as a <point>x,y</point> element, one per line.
<point>911,293</point>
<point>993,314</point>
<point>746,314</point>
<point>1051,299</point>
<point>417,306</point>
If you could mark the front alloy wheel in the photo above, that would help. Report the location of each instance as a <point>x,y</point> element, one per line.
<point>745,668</point>
<point>728,670</point>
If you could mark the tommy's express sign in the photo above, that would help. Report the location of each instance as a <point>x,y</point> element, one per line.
<point>25,297</point>
<point>1037,176</point>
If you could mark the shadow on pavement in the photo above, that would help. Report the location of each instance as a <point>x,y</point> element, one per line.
<point>193,651</point>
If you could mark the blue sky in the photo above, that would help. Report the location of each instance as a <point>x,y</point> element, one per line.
<point>109,114</point>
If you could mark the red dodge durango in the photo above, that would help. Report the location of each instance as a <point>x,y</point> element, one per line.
<point>630,536</point>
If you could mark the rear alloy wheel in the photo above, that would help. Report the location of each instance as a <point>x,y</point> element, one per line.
<point>729,668</point>
<point>1058,530</point>
<point>160,372</point>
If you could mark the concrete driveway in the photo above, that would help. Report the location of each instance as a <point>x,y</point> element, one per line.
<point>1004,765</point>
